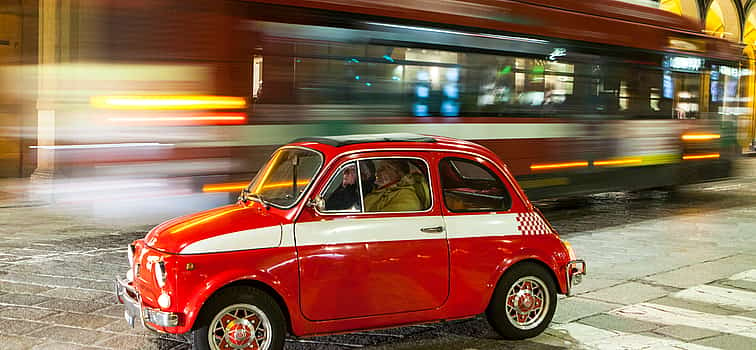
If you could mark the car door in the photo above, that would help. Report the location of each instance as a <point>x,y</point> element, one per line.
<point>375,256</point>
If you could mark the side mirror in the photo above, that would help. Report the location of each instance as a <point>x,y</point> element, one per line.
<point>318,203</point>
<point>243,196</point>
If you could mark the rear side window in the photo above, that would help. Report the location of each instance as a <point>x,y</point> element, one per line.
<point>469,186</point>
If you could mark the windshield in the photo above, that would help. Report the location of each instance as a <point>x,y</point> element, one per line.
<point>283,179</point>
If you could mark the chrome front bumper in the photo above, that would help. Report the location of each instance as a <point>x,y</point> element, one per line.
<point>575,270</point>
<point>136,311</point>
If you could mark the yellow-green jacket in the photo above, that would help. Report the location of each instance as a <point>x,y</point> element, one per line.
<point>398,197</point>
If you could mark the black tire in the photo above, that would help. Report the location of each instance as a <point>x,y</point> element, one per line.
<point>516,323</point>
<point>245,302</point>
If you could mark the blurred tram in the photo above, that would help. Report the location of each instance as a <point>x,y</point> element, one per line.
<point>577,97</point>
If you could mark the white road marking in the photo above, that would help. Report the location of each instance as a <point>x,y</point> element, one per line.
<point>720,296</point>
<point>749,276</point>
<point>669,315</point>
<point>638,341</point>
<point>590,337</point>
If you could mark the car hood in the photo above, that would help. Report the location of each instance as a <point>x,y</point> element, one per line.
<point>227,228</point>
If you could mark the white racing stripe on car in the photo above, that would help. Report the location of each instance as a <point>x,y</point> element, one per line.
<point>740,299</point>
<point>482,225</point>
<point>287,235</point>
<point>583,336</point>
<point>668,315</point>
<point>259,238</point>
<point>347,231</point>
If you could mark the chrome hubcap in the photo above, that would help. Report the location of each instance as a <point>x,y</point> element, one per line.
<point>240,326</point>
<point>527,302</point>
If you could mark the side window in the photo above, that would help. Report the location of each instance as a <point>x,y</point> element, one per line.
<point>470,186</point>
<point>395,185</point>
<point>342,193</point>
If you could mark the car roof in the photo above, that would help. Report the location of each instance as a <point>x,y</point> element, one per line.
<point>344,140</point>
<point>335,145</point>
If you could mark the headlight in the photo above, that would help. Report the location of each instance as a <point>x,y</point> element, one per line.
<point>131,255</point>
<point>160,274</point>
<point>164,300</point>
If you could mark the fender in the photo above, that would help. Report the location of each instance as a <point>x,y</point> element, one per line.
<point>548,259</point>
<point>199,296</point>
<point>552,260</point>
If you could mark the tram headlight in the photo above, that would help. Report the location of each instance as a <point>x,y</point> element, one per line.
<point>160,273</point>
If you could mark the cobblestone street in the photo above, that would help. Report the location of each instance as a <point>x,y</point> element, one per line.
<point>664,271</point>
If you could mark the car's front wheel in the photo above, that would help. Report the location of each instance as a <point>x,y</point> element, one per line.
<point>240,318</point>
<point>523,302</point>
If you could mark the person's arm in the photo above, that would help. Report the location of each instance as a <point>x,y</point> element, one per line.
<point>405,200</point>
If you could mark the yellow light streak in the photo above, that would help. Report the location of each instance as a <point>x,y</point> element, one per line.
<point>700,137</point>
<point>701,156</point>
<point>238,186</point>
<point>618,162</point>
<point>286,184</point>
<point>176,119</point>
<point>558,165</point>
<point>225,187</point>
<point>268,169</point>
<point>196,222</point>
<point>168,102</point>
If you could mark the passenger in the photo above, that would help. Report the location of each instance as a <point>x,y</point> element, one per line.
<point>346,196</point>
<point>395,191</point>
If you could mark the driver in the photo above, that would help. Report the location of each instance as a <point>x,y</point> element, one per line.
<point>346,196</point>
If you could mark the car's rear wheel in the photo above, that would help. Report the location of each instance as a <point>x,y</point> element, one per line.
<point>240,318</point>
<point>523,302</point>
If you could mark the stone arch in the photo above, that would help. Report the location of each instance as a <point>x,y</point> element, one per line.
<point>747,129</point>
<point>749,27</point>
<point>688,8</point>
<point>723,20</point>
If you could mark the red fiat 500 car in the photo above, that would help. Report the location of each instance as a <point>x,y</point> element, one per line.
<point>354,232</point>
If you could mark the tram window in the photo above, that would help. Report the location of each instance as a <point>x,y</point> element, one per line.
<point>332,75</point>
<point>728,91</point>
<point>686,95</point>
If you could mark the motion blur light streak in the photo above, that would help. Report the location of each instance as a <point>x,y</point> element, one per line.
<point>103,145</point>
<point>617,162</point>
<point>167,102</point>
<point>203,119</point>
<point>701,156</point>
<point>238,186</point>
<point>700,137</point>
<point>558,165</point>
<point>286,184</point>
<point>225,187</point>
<point>189,224</point>
<point>434,30</point>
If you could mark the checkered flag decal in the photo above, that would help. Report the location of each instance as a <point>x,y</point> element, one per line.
<point>532,224</point>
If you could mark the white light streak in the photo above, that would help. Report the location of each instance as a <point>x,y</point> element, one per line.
<point>105,145</point>
<point>444,31</point>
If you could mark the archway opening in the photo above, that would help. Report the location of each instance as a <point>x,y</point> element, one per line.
<point>687,8</point>
<point>722,20</point>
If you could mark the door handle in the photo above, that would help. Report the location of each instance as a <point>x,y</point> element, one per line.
<point>435,229</point>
